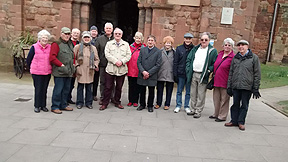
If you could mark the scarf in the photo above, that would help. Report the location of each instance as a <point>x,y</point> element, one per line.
<point>80,58</point>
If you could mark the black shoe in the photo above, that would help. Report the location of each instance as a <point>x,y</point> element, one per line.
<point>89,106</point>
<point>79,106</point>
<point>70,102</point>
<point>36,110</point>
<point>219,120</point>
<point>212,117</point>
<point>44,109</point>
<point>150,109</point>
<point>140,108</point>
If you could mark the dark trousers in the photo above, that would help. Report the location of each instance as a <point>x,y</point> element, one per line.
<point>109,86</point>
<point>60,92</point>
<point>169,90</point>
<point>150,96</point>
<point>88,94</point>
<point>41,83</point>
<point>95,82</point>
<point>71,89</point>
<point>238,113</point>
<point>102,76</point>
<point>133,92</point>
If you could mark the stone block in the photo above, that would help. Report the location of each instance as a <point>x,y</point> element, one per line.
<point>16,2</point>
<point>206,2</point>
<point>8,149</point>
<point>43,11</point>
<point>87,155</point>
<point>243,4</point>
<point>216,3</point>
<point>66,5</point>
<point>173,20</point>
<point>194,15</point>
<point>157,146</point>
<point>14,8</point>
<point>180,14</point>
<point>204,23</point>
<point>177,7</point>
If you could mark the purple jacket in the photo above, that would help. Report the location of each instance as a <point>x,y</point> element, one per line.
<point>222,73</point>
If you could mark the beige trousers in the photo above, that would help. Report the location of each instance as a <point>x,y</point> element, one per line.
<point>221,102</point>
<point>198,93</point>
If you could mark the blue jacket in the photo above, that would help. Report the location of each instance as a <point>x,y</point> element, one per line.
<point>180,58</point>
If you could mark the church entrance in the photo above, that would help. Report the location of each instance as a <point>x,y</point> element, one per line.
<point>123,14</point>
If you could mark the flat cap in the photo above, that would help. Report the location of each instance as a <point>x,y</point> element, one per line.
<point>65,30</point>
<point>242,42</point>
<point>93,28</point>
<point>188,35</point>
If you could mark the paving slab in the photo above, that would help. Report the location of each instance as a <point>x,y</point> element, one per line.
<point>68,126</point>
<point>8,133</point>
<point>86,155</point>
<point>156,146</point>
<point>8,149</point>
<point>133,157</point>
<point>139,131</point>
<point>103,128</point>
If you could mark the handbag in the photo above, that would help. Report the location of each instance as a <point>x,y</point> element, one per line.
<point>210,84</point>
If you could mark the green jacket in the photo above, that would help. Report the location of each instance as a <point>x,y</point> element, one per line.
<point>208,66</point>
<point>66,56</point>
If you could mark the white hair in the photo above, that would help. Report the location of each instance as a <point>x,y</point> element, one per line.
<point>75,29</point>
<point>42,33</point>
<point>205,33</point>
<point>108,24</point>
<point>140,35</point>
<point>228,40</point>
<point>121,31</point>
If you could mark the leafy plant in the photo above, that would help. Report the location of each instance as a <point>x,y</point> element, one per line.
<point>25,40</point>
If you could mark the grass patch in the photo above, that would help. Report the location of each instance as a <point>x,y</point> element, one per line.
<point>284,105</point>
<point>273,75</point>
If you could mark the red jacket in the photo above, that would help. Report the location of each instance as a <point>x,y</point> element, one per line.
<point>132,63</point>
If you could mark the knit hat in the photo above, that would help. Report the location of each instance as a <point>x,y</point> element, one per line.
<point>93,28</point>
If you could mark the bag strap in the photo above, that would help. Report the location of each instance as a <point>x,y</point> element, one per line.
<point>220,64</point>
<point>135,50</point>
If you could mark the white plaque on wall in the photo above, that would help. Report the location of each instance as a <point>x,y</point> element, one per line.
<point>227,15</point>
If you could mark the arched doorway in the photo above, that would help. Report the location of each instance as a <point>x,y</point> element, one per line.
<point>123,14</point>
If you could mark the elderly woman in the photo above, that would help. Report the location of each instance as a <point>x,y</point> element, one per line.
<point>87,61</point>
<point>221,73</point>
<point>40,68</point>
<point>133,92</point>
<point>165,73</point>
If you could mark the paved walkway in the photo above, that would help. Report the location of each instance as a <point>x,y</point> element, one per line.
<point>126,135</point>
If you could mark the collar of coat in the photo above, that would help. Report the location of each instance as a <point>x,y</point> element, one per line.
<point>249,55</point>
<point>121,42</point>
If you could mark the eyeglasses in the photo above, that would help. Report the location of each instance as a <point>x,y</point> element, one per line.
<point>227,45</point>
<point>117,33</point>
<point>204,40</point>
<point>66,33</point>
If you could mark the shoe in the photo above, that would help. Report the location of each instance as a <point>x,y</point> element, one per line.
<point>150,109</point>
<point>119,106</point>
<point>44,109</point>
<point>36,110</point>
<point>241,127</point>
<point>67,109</point>
<point>156,107</point>
<point>166,107</point>
<point>129,104</point>
<point>230,124</point>
<point>57,111</point>
<point>100,102</point>
<point>197,115</point>
<point>219,120</point>
<point>89,106</point>
<point>103,107</point>
<point>79,106</point>
<point>177,109</point>
<point>140,108</point>
<point>71,102</point>
<point>135,105</point>
<point>188,111</point>
<point>212,117</point>
<point>95,98</point>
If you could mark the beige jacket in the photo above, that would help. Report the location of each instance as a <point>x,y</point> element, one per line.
<point>114,53</point>
<point>83,73</point>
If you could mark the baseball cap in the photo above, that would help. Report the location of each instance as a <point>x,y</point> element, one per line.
<point>242,42</point>
<point>65,30</point>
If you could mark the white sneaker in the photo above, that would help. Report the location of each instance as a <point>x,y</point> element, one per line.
<point>187,110</point>
<point>177,109</point>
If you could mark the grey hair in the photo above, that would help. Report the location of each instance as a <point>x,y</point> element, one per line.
<point>140,35</point>
<point>108,24</point>
<point>205,33</point>
<point>152,36</point>
<point>121,31</point>
<point>43,32</point>
<point>228,40</point>
<point>76,30</point>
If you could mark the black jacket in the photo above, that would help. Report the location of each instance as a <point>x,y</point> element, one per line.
<point>100,45</point>
<point>179,63</point>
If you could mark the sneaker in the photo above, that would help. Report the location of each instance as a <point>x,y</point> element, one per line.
<point>129,104</point>
<point>197,115</point>
<point>135,104</point>
<point>177,109</point>
<point>192,112</point>
<point>187,110</point>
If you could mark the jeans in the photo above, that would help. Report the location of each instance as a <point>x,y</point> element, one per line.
<point>151,96</point>
<point>88,94</point>
<point>60,92</point>
<point>238,113</point>
<point>180,86</point>
<point>71,89</point>
<point>41,83</point>
<point>134,90</point>
<point>169,90</point>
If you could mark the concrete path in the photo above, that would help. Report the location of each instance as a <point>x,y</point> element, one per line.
<point>126,135</point>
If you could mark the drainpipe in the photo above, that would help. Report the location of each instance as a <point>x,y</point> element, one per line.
<point>272,32</point>
<point>22,15</point>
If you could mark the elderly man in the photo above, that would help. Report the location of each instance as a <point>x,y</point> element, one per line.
<point>100,45</point>
<point>118,54</point>
<point>94,35</point>
<point>199,65</point>
<point>75,40</point>
<point>61,58</point>
<point>243,81</point>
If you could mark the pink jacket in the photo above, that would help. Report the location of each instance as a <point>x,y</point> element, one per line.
<point>132,63</point>
<point>40,64</point>
<point>222,73</point>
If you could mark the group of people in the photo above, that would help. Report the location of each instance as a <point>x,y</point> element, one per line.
<point>109,58</point>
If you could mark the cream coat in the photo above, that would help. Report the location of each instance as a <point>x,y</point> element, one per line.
<point>113,53</point>
<point>83,73</point>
